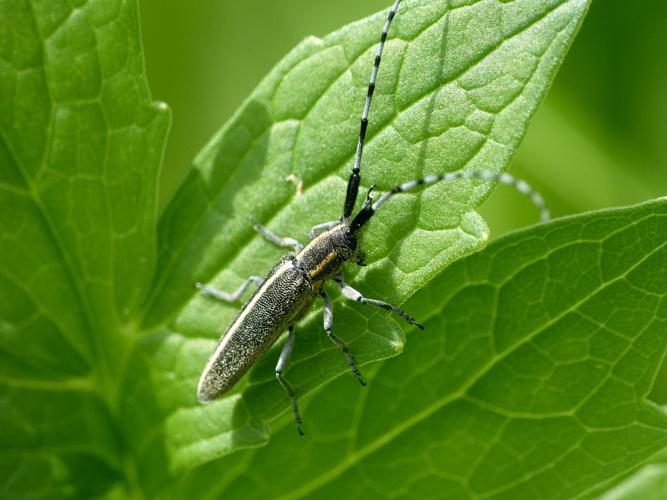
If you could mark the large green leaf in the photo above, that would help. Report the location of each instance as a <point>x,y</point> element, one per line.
<point>529,380</point>
<point>80,149</point>
<point>456,88</point>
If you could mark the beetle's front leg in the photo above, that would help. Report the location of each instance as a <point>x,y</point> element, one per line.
<point>320,228</point>
<point>283,242</point>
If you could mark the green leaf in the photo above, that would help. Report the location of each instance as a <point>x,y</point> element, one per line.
<point>529,380</point>
<point>456,88</point>
<point>80,149</point>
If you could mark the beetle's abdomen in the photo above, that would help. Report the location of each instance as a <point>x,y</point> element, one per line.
<point>280,301</point>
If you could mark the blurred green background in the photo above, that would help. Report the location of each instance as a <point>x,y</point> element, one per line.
<point>599,140</point>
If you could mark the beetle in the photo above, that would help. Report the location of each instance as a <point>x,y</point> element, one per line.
<point>289,289</point>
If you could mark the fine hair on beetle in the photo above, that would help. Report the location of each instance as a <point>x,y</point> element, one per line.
<point>289,289</point>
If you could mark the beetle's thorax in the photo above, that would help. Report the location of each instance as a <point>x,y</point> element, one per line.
<point>324,256</point>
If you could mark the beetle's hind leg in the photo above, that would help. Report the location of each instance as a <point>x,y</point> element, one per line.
<point>352,294</point>
<point>275,239</point>
<point>328,323</point>
<point>282,361</point>
<point>233,296</point>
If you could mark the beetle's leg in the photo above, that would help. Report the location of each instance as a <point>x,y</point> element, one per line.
<point>328,322</point>
<point>275,239</point>
<point>352,294</point>
<point>325,226</point>
<point>235,295</point>
<point>282,361</point>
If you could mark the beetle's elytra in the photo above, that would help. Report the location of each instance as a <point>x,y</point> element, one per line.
<point>284,295</point>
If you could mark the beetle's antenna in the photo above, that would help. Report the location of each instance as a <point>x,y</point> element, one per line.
<point>522,186</point>
<point>353,182</point>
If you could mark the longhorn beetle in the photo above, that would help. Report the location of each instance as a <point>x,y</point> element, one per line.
<point>283,297</point>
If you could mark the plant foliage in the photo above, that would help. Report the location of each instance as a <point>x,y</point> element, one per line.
<point>549,336</point>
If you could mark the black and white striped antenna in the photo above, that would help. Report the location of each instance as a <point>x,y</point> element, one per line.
<point>522,186</point>
<point>370,207</point>
<point>353,182</point>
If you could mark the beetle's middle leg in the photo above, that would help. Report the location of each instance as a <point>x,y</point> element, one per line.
<point>227,296</point>
<point>282,361</point>
<point>352,294</point>
<point>328,323</point>
<point>275,239</point>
